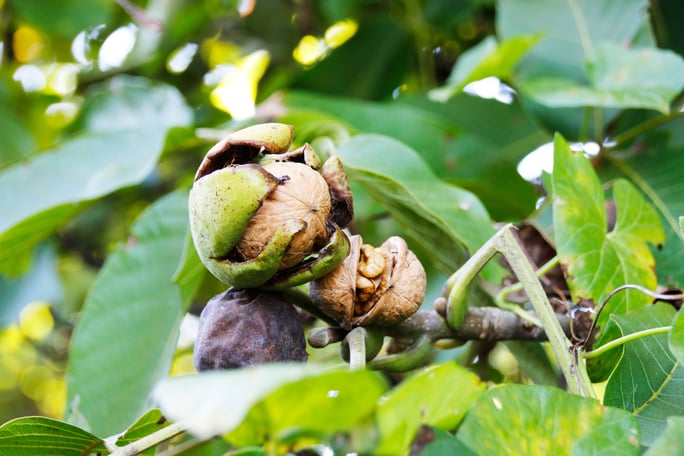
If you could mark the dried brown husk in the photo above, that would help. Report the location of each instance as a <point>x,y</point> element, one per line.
<point>245,327</point>
<point>392,295</point>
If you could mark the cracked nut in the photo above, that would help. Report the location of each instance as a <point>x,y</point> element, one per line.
<point>245,327</point>
<point>264,216</point>
<point>374,285</point>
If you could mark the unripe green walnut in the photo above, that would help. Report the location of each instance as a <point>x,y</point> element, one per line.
<point>263,216</point>
<point>245,327</point>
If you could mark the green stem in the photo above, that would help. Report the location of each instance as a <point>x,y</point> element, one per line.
<point>575,374</point>
<point>506,243</point>
<point>624,339</point>
<point>643,127</point>
<point>518,286</point>
<point>150,441</point>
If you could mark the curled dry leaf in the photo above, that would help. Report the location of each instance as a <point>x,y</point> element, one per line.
<point>373,286</point>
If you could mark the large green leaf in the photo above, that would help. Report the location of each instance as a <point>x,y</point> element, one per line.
<point>649,381</point>
<point>40,436</point>
<point>618,78</point>
<point>122,131</point>
<point>430,398</point>
<point>468,141</point>
<point>65,19</point>
<point>656,170</point>
<point>487,58</point>
<point>444,218</point>
<point>276,400</point>
<point>541,420</point>
<point>671,441</point>
<point>127,331</point>
<point>312,407</point>
<point>571,30</point>
<point>598,261</point>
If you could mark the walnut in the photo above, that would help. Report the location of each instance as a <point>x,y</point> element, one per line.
<point>373,286</point>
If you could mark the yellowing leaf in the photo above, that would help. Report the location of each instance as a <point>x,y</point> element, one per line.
<point>27,44</point>
<point>309,50</point>
<point>36,321</point>
<point>236,93</point>
<point>597,260</point>
<point>338,33</point>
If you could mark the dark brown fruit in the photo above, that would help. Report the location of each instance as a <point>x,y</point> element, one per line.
<point>244,327</point>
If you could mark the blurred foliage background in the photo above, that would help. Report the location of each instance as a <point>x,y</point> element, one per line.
<point>229,68</point>
<point>201,69</point>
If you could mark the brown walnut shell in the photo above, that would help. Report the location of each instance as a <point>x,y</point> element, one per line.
<point>385,299</point>
<point>301,194</point>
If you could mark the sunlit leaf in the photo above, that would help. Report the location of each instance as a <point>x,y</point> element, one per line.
<point>443,217</point>
<point>125,122</point>
<point>309,50</point>
<point>40,436</point>
<point>598,261</point>
<point>340,32</point>
<point>649,381</point>
<point>571,30</point>
<point>126,334</point>
<point>488,58</point>
<point>312,407</point>
<point>541,420</point>
<point>618,78</point>
<point>426,398</point>
<point>214,403</point>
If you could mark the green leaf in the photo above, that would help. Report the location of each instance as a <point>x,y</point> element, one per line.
<point>124,125</point>
<point>487,58</point>
<point>40,436</point>
<point>190,272</point>
<point>127,331</point>
<point>656,170</point>
<point>677,337</point>
<point>315,406</point>
<point>598,261</point>
<point>600,368</point>
<point>571,29</point>
<point>216,402</point>
<point>618,78</point>
<point>417,127</point>
<point>150,422</point>
<point>468,141</point>
<point>65,19</point>
<point>541,420</point>
<point>671,441</point>
<point>444,218</point>
<point>649,381</point>
<point>426,398</point>
<point>445,443</point>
